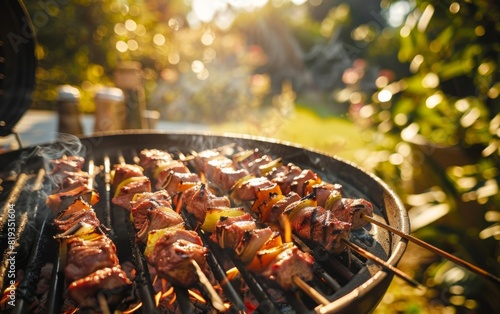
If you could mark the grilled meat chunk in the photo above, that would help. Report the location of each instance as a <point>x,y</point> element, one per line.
<point>87,256</point>
<point>320,226</point>
<point>279,207</point>
<point>254,166</point>
<point>83,216</point>
<point>288,264</point>
<point>177,182</point>
<point>160,197</point>
<point>150,159</point>
<point>173,254</point>
<point>125,193</point>
<point>163,171</point>
<point>73,179</point>
<point>284,176</point>
<point>325,191</point>
<point>112,282</point>
<point>247,190</point>
<point>62,199</point>
<point>198,199</point>
<point>230,231</point>
<point>157,218</point>
<point>70,163</point>
<point>201,158</point>
<point>351,210</point>
<point>125,171</point>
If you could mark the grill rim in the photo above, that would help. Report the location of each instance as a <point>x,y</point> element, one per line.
<point>363,297</point>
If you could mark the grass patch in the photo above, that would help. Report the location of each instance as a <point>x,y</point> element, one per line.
<point>331,134</point>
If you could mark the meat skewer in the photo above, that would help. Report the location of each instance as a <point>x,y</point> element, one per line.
<point>367,217</point>
<point>261,190</point>
<point>197,199</point>
<point>86,253</point>
<point>177,254</point>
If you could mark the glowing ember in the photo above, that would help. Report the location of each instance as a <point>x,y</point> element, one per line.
<point>197,296</point>
<point>133,309</point>
<point>158,298</point>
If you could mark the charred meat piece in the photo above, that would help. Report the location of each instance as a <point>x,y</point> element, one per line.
<point>226,178</point>
<point>150,159</point>
<point>111,282</point>
<point>67,222</point>
<point>162,171</point>
<point>288,264</point>
<point>70,163</point>
<point>300,182</point>
<point>279,207</point>
<point>145,202</point>
<point>241,234</point>
<point>198,199</point>
<point>79,212</point>
<point>211,165</point>
<point>254,166</point>
<point>125,192</point>
<point>201,158</point>
<point>230,231</point>
<point>73,179</point>
<point>161,197</point>
<point>325,192</point>
<point>177,182</point>
<point>125,171</point>
<point>62,199</point>
<point>244,158</point>
<point>157,218</point>
<point>87,256</point>
<point>173,255</point>
<point>320,226</point>
<point>351,210</point>
<point>284,176</point>
<point>247,190</point>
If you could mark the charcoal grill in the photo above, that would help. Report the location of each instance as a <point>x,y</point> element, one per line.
<point>350,284</point>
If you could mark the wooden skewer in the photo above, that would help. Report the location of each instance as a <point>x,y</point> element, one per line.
<point>103,304</point>
<point>310,291</point>
<point>434,249</point>
<point>214,297</point>
<point>381,262</point>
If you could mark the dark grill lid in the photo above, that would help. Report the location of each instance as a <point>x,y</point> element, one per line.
<point>17,63</point>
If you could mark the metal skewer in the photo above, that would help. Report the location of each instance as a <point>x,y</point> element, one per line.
<point>434,249</point>
<point>381,262</point>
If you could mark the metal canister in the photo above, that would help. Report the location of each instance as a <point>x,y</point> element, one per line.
<point>128,76</point>
<point>68,100</point>
<point>110,109</point>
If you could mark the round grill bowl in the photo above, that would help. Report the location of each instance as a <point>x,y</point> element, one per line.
<point>365,290</point>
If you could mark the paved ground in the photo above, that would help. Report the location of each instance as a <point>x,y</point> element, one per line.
<point>40,127</point>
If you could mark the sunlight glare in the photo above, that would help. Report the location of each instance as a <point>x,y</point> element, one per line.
<point>197,66</point>
<point>397,13</point>
<point>121,46</point>
<point>159,39</point>
<point>205,10</point>
<point>130,25</point>
<point>132,45</point>
<point>433,100</point>
<point>384,95</point>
